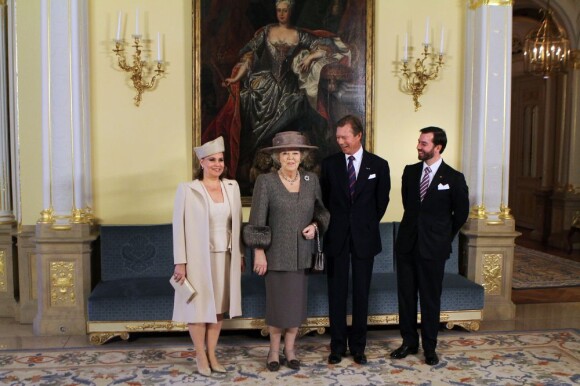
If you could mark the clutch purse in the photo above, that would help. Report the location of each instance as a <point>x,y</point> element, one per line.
<point>186,289</point>
<point>318,259</point>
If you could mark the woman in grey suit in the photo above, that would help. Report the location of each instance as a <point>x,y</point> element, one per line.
<point>286,210</point>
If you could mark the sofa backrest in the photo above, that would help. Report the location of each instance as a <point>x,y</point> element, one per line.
<point>136,251</point>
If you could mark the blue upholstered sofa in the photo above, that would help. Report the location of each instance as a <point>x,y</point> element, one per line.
<point>134,294</point>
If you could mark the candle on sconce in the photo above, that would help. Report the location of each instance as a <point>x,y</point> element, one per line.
<point>137,22</point>
<point>441,43</point>
<point>406,48</point>
<point>159,56</point>
<point>427,31</point>
<point>118,38</point>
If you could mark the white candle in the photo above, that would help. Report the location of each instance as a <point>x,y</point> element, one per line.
<point>137,22</point>
<point>159,57</point>
<point>406,49</point>
<point>441,44</point>
<point>427,31</point>
<point>119,26</point>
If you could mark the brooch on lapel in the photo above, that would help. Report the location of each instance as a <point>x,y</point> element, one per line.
<point>306,178</point>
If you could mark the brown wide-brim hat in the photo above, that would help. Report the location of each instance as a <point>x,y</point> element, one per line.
<point>289,140</point>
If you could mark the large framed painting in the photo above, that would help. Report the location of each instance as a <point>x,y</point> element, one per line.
<point>265,66</point>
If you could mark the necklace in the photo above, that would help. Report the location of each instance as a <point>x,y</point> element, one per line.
<point>291,181</point>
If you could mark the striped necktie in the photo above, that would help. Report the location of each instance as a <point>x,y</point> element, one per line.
<point>424,183</point>
<point>351,177</point>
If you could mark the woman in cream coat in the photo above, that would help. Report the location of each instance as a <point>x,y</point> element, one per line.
<point>208,252</point>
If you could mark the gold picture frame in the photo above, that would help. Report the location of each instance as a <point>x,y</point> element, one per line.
<point>221,28</point>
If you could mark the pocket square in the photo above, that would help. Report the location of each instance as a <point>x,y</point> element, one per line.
<point>372,176</point>
<point>443,187</point>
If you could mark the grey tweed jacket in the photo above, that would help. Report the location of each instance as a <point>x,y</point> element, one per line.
<point>286,214</point>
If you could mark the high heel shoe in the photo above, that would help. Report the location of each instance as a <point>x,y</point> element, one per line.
<point>205,371</point>
<point>294,364</point>
<point>217,368</point>
<point>272,365</point>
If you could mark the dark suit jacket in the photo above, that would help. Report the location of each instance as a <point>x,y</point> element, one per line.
<point>361,217</point>
<point>433,223</point>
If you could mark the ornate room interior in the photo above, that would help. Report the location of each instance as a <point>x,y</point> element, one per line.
<point>79,151</point>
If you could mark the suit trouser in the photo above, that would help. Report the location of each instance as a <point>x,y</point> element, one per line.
<point>422,277</point>
<point>338,276</point>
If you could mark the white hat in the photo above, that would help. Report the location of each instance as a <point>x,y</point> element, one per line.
<point>209,148</point>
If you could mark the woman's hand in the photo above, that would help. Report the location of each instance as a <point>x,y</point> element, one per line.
<point>179,273</point>
<point>260,263</point>
<point>309,232</point>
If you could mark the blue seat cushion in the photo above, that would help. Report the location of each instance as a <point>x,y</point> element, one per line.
<point>132,300</point>
<point>383,294</point>
<point>460,293</point>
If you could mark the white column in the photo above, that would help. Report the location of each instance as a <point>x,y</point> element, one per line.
<point>490,231</point>
<point>65,112</point>
<point>6,215</point>
<point>487,104</point>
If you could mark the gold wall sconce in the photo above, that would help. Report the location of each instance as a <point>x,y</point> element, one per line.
<point>426,68</point>
<point>139,67</point>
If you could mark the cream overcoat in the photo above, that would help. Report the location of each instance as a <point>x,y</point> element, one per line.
<point>191,246</point>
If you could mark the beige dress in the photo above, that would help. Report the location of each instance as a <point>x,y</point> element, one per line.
<point>220,245</point>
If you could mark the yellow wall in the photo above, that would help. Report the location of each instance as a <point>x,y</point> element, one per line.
<point>396,123</point>
<point>141,153</point>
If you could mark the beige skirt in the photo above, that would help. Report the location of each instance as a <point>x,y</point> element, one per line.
<point>220,277</point>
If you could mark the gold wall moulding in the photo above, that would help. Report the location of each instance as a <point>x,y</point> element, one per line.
<point>3,273</point>
<point>492,273</point>
<point>474,4</point>
<point>62,284</point>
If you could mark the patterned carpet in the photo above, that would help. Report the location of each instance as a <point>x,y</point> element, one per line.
<point>513,358</point>
<point>534,269</point>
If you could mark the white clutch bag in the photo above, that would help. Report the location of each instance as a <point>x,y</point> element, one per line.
<point>185,289</point>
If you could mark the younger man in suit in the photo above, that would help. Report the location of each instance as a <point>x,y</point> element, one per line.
<point>355,188</point>
<point>436,203</point>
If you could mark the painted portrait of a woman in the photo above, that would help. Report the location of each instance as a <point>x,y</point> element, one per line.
<point>273,66</point>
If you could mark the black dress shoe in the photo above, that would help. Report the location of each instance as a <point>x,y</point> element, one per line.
<point>403,351</point>
<point>335,357</point>
<point>360,358</point>
<point>431,358</point>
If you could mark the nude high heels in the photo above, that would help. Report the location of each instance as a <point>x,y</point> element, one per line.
<point>205,371</point>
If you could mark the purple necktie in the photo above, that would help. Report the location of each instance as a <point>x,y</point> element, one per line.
<point>351,177</point>
<point>424,183</point>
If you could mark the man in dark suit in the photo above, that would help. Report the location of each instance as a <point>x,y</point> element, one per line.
<point>355,189</point>
<point>436,203</point>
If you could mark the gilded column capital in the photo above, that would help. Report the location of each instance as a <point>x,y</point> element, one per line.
<point>474,4</point>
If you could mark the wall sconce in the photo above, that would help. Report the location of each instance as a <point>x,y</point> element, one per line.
<point>415,77</point>
<point>139,65</point>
